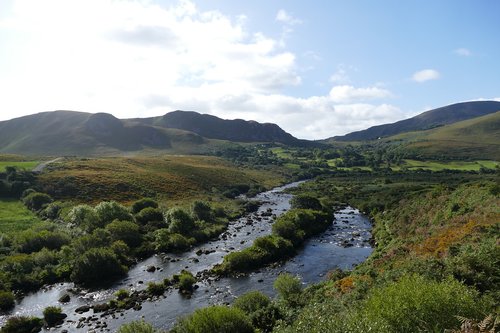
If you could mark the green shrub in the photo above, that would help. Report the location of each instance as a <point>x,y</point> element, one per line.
<point>7,301</point>
<point>97,266</point>
<point>149,214</point>
<point>252,301</point>
<point>122,294</point>
<point>155,289</point>
<point>22,325</point>
<point>36,200</point>
<point>215,319</point>
<point>179,221</point>
<point>125,231</point>
<point>165,241</point>
<point>415,304</point>
<point>32,241</point>
<point>84,217</point>
<point>108,211</point>
<point>201,211</point>
<point>289,288</point>
<point>141,204</point>
<point>305,202</point>
<point>139,326</point>
<point>53,315</point>
<point>186,281</point>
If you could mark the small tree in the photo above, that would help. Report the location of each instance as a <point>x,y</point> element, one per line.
<point>179,221</point>
<point>108,211</point>
<point>97,266</point>
<point>288,287</point>
<point>139,205</point>
<point>149,214</point>
<point>125,231</point>
<point>36,200</point>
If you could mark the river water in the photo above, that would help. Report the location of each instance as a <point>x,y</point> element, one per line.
<point>343,245</point>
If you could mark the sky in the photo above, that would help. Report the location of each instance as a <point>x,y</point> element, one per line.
<point>316,68</point>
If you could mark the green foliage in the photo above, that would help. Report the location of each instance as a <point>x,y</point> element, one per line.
<point>7,301</point>
<point>53,315</point>
<point>201,211</point>
<point>33,240</point>
<point>139,326</point>
<point>215,319</point>
<point>149,214</point>
<point>36,200</point>
<point>139,205</point>
<point>305,202</point>
<point>289,288</point>
<point>97,266</point>
<point>22,325</point>
<point>85,217</point>
<point>165,241</point>
<point>179,221</point>
<point>122,294</point>
<point>252,301</point>
<point>186,281</point>
<point>125,231</point>
<point>108,211</point>
<point>415,304</point>
<point>155,289</point>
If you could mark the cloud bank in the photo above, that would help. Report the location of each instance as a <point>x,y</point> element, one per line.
<point>137,59</point>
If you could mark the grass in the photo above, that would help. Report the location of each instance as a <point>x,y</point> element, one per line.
<point>26,165</point>
<point>14,216</point>
<point>168,178</point>
<point>452,165</point>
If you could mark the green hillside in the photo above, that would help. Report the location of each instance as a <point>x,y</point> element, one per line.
<point>477,138</point>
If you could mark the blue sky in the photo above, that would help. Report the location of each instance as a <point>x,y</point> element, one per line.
<point>316,68</point>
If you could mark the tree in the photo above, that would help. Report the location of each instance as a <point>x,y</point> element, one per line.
<point>125,231</point>
<point>85,217</point>
<point>149,214</point>
<point>108,211</point>
<point>179,221</point>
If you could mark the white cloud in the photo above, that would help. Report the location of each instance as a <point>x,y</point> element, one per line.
<point>137,59</point>
<point>347,94</point>
<point>463,52</point>
<point>426,75</point>
<point>283,16</point>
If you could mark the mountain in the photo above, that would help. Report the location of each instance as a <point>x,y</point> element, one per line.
<point>434,118</point>
<point>477,138</point>
<point>81,133</point>
<point>213,127</point>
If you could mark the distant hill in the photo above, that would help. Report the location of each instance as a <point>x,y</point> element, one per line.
<point>80,133</point>
<point>477,138</point>
<point>434,118</point>
<point>213,127</point>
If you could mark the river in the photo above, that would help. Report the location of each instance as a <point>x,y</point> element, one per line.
<point>344,244</point>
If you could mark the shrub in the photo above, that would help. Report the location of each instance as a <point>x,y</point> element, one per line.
<point>305,202</point>
<point>139,205</point>
<point>164,241</point>
<point>139,326</point>
<point>149,214</point>
<point>125,231</point>
<point>252,301</point>
<point>122,294</point>
<point>201,211</point>
<point>22,325</point>
<point>6,300</point>
<point>32,241</point>
<point>97,266</point>
<point>36,200</point>
<point>85,217</point>
<point>53,315</point>
<point>289,288</point>
<point>415,304</point>
<point>179,221</point>
<point>186,281</point>
<point>215,319</point>
<point>108,211</point>
<point>155,289</point>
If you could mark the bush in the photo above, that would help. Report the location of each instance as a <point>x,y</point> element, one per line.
<point>215,319</point>
<point>149,214</point>
<point>415,304</point>
<point>125,231</point>
<point>33,241</point>
<point>122,294</point>
<point>141,204</point>
<point>84,217</point>
<point>179,221</point>
<point>22,325</point>
<point>289,288</point>
<point>186,281</point>
<point>305,202</point>
<point>53,315</point>
<point>139,326</point>
<point>97,266</point>
<point>108,211</point>
<point>6,300</point>
<point>201,211</point>
<point>252,301</point>
<point>36,200</point>
<point>155,289</point>
<point>164,241</point>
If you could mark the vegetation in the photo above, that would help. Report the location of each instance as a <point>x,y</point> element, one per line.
<point>53,315</point>
<point>22,325</point>
<point>139,326</point>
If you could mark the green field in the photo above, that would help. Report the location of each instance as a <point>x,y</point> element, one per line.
<point>26,165</point>
<point>454,165</point>
<point>14,216</point>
